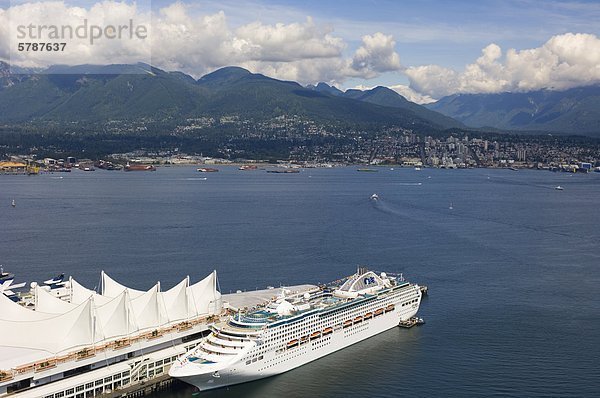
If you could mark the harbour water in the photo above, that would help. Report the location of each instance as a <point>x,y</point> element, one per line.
<point>512,267</point>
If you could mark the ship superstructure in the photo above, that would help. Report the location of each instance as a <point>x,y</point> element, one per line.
<point>290,331</point>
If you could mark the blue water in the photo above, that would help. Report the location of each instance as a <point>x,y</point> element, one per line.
<point>512,268</point>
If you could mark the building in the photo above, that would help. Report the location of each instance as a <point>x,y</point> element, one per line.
<point>98,343</point>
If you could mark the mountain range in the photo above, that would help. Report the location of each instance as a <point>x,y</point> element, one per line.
<point>573,111</point>
<point>91,93</point>
<point>102,93</point>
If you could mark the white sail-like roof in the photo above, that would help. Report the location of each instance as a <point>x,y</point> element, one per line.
<point>80,294</point>
<point>113,318</point>
<point>147,309</point>
<point>112,315</point>
<point>48,303</point>
<point>175,302</point>
<point>112,288</point>
<point>91,318</point>
<point>11,311</point>
<point>57,334</point>
<point>203,297</point>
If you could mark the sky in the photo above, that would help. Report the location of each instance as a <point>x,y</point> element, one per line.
<point>424,49</point>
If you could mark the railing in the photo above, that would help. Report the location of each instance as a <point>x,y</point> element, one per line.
<point>88,352</point>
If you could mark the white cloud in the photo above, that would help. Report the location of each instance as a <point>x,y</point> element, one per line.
<point>78,50</point>
<point>564,61</point>
<point>295,41</point>
<point>404,91</point>
<point>412,95</point>
<point>182,39</point>
<point>376,55</point>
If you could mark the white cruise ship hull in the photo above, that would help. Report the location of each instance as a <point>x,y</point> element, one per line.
<point>275,362</point>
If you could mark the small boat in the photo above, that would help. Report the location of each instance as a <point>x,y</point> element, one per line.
<point>248,167</point>
<point>417,168</point>
<point>13,204</point>
<point>207,170</point>
<point>451,207</point>
<point>368,170</point>
<point>558,188</point>
<point>55,282</point>
<point>374,197</point>
<point>409,323</point>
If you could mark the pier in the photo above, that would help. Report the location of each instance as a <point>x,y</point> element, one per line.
<point>157,384</point>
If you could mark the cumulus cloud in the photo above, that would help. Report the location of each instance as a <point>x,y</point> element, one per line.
<point>563,62</point>
<point>376,55</point>
<point>295,41</point>
<point>182,39</point>
<point>404,91</point>
<point>72,24</point>
<point>412,95</point>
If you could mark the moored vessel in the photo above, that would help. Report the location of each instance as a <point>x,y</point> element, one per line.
<point>139,167</point>
<point>290,331</point>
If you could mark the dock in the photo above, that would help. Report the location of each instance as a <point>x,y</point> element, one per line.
<point>161,383</point>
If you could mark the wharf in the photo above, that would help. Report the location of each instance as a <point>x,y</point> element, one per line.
<point>161,383</point>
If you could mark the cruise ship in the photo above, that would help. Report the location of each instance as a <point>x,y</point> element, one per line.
<point>290,331</point>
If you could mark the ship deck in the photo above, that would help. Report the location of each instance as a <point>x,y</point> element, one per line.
<point>249,299</point>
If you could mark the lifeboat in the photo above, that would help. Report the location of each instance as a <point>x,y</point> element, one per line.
<point>358,319</point>
<point>347,324</point>
<point>368,315</point>
<point>292,343</point>
<point>327,331</point>
<point>303,339</point>
<point>389,308</point>
<point>315,335</point>
<point>379,312</point>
